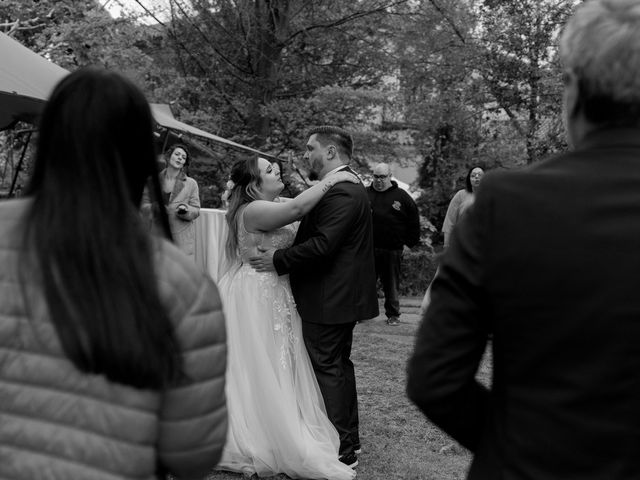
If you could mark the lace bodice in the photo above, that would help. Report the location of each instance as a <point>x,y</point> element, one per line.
<point>248,242</point>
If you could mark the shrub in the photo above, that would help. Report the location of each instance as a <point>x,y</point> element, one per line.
<point>417,269</point>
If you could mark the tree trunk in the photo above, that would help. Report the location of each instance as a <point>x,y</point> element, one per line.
<point>532,130</point>
<point>271,19</point>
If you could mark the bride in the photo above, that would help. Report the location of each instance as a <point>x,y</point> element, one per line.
<point>277,418</point>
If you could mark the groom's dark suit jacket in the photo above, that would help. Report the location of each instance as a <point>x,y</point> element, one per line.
<point>548,262</point>
<point>331,264</point>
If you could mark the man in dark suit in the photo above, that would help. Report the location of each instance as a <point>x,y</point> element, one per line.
<point>333,279</point>
<point>547,265</point>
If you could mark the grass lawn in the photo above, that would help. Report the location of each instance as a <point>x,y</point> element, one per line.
<point>397,441</point>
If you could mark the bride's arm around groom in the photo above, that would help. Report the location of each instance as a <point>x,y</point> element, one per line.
<point>332,276</point>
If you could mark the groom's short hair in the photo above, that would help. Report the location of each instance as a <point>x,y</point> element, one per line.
<point>328,134</point>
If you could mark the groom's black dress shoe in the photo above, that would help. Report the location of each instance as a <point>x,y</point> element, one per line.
<point>349,460</point>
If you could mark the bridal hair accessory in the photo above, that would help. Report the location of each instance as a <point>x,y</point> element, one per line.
<point>227,193</point>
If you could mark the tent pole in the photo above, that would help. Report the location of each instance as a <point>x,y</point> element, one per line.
<point>166,139</point>
<point>9,140</point>
<point>17,171</point>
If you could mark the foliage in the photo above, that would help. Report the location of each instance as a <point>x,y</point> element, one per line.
<point>272,50</point>
<point>519,62</point>
<point>276,68</point>
<point>443,100</point>
<point>481,86</point>
<point>263,72</point>
<point>445,82</point>
<point>416,272</point>
<point>15,144</point>
<point>71,34</point>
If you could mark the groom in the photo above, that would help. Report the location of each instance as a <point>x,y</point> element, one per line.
<point>332,273</point>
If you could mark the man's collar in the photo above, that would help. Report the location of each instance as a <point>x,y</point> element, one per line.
<point>611,137</point>
<point>337,169</point>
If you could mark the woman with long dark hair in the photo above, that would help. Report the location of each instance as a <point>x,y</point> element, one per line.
<point>462,200</point>
<point>112,343</point>
<point>459,204</point>
<point>277,418</point>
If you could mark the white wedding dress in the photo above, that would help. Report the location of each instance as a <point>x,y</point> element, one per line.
<point>277,418</point>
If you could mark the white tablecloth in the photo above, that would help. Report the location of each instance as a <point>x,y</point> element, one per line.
<point>211,237</point>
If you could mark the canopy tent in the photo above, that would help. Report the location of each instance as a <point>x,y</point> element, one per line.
<point>27,80</point>
<point>163,115</point>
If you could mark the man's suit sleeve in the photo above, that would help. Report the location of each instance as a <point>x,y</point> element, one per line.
<point>413,222</point>
<point>453,334</point>
<point>336,213</point>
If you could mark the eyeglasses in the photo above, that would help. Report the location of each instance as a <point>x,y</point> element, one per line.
<point>380,177</point>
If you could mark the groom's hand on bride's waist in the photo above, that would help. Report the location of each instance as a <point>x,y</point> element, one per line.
<point>263,262</point>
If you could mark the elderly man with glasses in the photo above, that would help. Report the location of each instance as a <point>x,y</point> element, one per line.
<point>396,226</point>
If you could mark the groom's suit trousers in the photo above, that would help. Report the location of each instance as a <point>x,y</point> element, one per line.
<point>329,348</point>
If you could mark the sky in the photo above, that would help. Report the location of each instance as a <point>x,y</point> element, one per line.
<point>116,7</point>
<point>113,7</point>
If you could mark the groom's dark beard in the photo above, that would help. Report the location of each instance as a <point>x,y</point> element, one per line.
<point>313,176</point>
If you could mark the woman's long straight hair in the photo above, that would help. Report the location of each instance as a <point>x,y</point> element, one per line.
<point>84,239</point>
<point>245,175</point>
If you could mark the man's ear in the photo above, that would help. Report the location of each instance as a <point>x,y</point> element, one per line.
<point>571,93</point>
<point>571,104</point>
<point>331,152</point>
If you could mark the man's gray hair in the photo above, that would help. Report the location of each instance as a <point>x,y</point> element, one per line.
<point>601,46</point>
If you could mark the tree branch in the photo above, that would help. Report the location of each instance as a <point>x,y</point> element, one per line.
<point>212,45</point>
<point>449,21</point>
<point>197,62</point>
<point>342,21</point>
<point>17,26</point>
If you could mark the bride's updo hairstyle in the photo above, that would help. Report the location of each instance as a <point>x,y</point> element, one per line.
<point>246,179</point>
